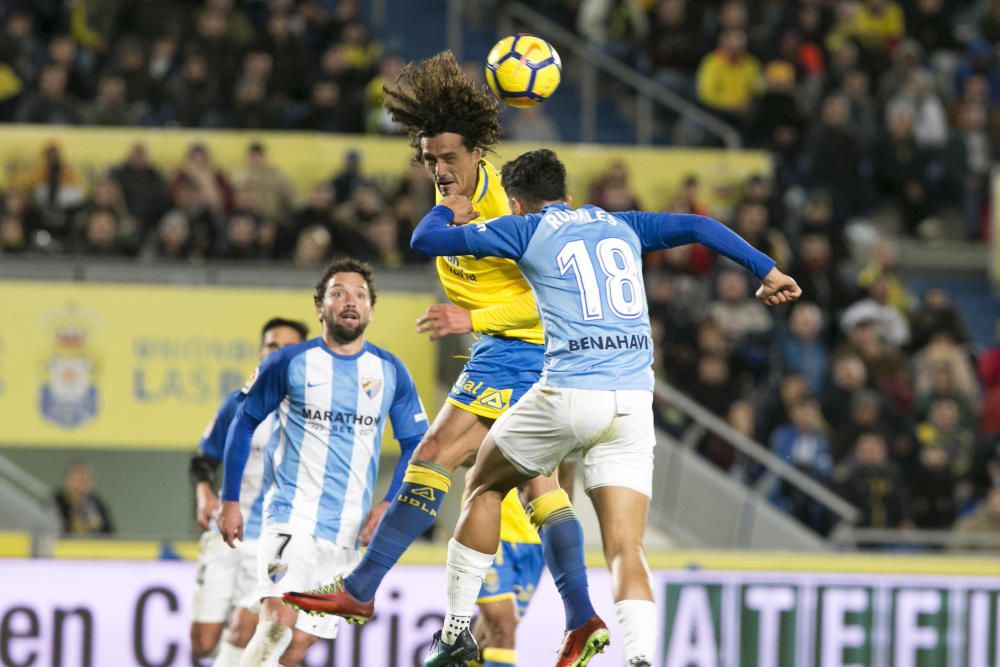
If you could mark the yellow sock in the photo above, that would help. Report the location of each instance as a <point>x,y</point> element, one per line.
<point>553,505</point>
<point>427,474</point>
<point>498,657</point>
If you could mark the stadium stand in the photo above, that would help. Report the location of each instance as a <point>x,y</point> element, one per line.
<point>874,110</point>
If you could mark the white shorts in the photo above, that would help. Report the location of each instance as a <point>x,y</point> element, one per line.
<point>245,591</point>
<point>295,561</point>
<point>612,429</point>
<point>215,583</point>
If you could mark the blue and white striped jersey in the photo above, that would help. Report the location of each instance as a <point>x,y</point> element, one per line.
<point>585,267</point>
<point>331,412</point>
<point>256,477</point>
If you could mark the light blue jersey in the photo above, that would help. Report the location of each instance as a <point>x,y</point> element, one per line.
<point>585,267</point>
<point>256,475</point>
<point>331,412</point>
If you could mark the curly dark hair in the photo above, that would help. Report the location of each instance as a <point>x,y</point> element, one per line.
<point>345,265</point>
<point>434,96</point>
<point>535,177</point>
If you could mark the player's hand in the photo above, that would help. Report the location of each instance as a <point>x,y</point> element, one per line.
<point>207,503</point>
<point>371,522</point>
<point>778,288</point>
<point>461,207</point>
<point>443,319</point>
<point>231,523</point>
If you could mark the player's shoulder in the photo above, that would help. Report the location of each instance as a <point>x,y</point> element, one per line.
<point>232,399</point>
<point>286,354</point>
<point>383,354</point>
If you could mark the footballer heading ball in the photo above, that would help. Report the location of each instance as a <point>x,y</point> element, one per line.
<point>523,70</point>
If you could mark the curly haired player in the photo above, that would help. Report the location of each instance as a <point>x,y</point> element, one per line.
<point>452,124</point>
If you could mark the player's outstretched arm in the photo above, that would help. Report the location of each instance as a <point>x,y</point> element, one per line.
<point>776,288</point>
<point>434,235</point>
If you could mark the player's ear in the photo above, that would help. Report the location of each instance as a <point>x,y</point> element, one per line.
<point>569,200</point>
<point>516,206</point>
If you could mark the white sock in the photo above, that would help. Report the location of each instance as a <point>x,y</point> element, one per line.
<point>637,620</point>
<point>466,571</point>
<point>269,641</point>
<point>229,655</point>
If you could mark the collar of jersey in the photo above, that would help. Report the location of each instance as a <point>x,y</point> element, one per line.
<point>560,204</point>
<point>484,182</point>
<point>322,344</point>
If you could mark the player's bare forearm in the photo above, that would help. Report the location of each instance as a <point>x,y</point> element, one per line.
<point>777,288</point>
<point>207,503</point>
<point>443,319</point>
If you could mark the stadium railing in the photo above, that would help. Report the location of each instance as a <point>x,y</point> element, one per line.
<point>26,504</point>
<point>515,15</point>
<point>702,421</point>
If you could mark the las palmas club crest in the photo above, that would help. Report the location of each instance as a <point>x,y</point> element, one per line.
<point>371,386</point>
<point>69,394</point>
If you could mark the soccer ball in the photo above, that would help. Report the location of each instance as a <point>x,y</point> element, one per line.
<point>523,70</point>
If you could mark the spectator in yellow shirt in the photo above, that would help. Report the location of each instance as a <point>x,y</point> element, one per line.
<point>878,25</point>
<point>729,78</point>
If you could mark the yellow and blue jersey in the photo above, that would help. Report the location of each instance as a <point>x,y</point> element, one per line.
<point>475,284</point>
<point>505,363</point>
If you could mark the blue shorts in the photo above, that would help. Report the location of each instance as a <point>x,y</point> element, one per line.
<point>514,575</point>
<point>497,375</point>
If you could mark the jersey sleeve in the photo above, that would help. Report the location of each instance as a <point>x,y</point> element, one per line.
<point>667,230</point>
<point>409,420</point>
<point>267,388</point>
<point>518,313</point>
<point>506,236</point>
<point>213,441</point>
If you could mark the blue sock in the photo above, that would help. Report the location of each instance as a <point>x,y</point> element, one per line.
<point>411,513</point>
<point>562,544</point>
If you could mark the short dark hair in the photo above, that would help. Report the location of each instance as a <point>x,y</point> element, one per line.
<point>434,96</point>
<point>535,177</point>
<point>345,265</point>
<point>301,329</point>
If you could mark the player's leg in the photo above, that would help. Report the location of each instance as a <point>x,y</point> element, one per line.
<point>272,635</point>
<point>618,476</point>
<point>552,515</point>
<point>622,515</point>
<point>243,620</point>
<point>498,621</point>
<point>471,552</point>
<point>454,434</point>
<point>238,634</point>
<point>285,560</point>
<point>497,602</point>
<point>213,594</point>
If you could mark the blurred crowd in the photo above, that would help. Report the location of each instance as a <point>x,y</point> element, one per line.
<point>200,212</point>
<point>873,101</point>
<point>278,64</point>
<point>869,389</point>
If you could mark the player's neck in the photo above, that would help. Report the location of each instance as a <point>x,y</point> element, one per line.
<point>343,348</point>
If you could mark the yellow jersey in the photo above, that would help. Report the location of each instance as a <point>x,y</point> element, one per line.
<point>514,523</point>
<point>478,284</point>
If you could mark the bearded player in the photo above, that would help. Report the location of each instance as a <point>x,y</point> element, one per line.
<point>452,124</point>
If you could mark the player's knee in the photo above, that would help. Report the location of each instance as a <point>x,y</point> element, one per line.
<point>430,450</point>
<point>296,651</point>
<point>204,637</point>
<point>624,547</point>
<point>239,635</point>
